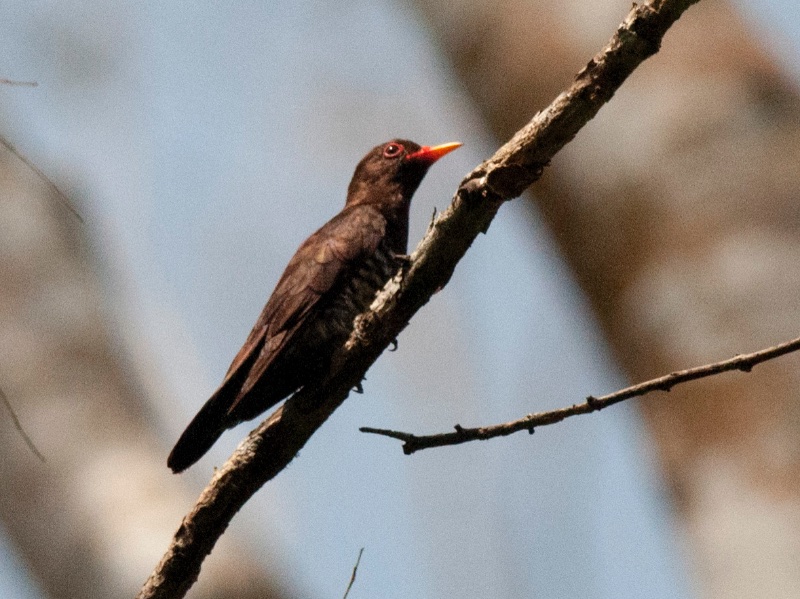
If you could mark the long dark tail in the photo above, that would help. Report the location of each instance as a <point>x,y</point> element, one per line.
<point>203,431</point>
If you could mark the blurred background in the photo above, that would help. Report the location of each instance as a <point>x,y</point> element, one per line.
<point>202,142</point>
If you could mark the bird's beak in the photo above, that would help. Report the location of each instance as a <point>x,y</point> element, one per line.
<point>430,154</point>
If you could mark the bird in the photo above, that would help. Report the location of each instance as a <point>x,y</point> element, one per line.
<point>332,278</point>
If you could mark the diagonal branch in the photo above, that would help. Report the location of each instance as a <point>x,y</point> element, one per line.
<point>18,425</point>
<point>743,363</point>
<point>353,575</point>
<point>514,167</point>
<point>62,197</point>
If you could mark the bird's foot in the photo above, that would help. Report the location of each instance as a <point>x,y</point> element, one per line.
<point>402,260</point>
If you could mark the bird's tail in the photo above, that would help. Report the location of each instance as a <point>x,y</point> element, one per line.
<point>203,431</point>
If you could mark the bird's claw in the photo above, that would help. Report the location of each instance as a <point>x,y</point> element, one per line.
<point>403,260</point>
<point>394,345</point>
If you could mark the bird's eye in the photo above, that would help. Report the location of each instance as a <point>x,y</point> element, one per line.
<point>392,150</point>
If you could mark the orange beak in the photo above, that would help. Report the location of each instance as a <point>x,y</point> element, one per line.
<point>430,154</point>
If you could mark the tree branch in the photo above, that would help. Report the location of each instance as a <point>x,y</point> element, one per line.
<point>514,167</point>
<point>744,363</point>
<point>18,425</point>
<point>353,575</point>
<point>4,81</point>
<point>62,197</point>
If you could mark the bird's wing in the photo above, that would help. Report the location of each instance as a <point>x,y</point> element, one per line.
<point>313,271</point>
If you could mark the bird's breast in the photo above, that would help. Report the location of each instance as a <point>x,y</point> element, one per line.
<point>353,294</point>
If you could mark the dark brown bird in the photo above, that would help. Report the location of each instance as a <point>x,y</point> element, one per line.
<point>331,279</point>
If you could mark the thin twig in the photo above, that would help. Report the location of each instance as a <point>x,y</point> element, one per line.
<point>353,576</point>
<point>19,428</point>
<point>18,83</point>
<point>275,442</point>
<point>60,194</point>
<point>744,363</point>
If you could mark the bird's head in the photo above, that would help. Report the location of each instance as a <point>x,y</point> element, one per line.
<point>390,173</point>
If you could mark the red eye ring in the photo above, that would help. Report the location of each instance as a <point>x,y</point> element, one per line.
<point>393,150</point>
